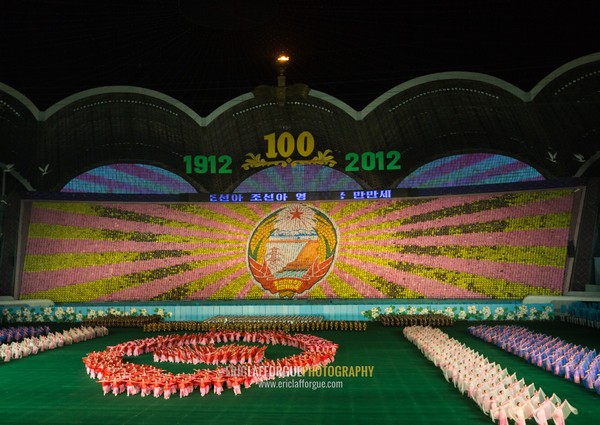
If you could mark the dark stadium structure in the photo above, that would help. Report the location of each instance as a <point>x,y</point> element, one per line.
<point>552,130</point>
<point>232,168</point>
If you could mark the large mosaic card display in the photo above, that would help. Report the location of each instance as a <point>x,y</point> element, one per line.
<point>503,246</point>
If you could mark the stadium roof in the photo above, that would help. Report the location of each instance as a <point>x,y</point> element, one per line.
<point>204,53</point>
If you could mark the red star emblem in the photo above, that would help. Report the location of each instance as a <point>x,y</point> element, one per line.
<point>296,213</point>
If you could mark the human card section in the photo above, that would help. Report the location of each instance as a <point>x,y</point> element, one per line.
<point>482,246</point>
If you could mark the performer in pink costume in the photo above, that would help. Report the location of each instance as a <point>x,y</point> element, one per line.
<point>203,382</point>
<point>217,382</point>
<point>132,388</point>
<point>248,380</point>
<point>235,383</point>
<point>540,416</point>
<point>562,411</point>
<point>499,412</point>
<point>118,386</point>
<point>517,414</point>
<point>158,389</point>
<point>168,386</point>
<point>145,388</point>
<point>557,415</point>
<point>105,386</point>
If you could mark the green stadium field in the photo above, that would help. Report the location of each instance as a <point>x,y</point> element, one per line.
<point>405,388</point>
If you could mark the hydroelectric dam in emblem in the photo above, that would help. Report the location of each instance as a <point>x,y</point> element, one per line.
<point>292,249</point>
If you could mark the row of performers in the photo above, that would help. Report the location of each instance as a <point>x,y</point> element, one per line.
<point>573,362</point>
<point>192,326</point>
<point>245,319</point>
<point>500,395</point>
<point>399,319</point>
<point>16,334</point>
<point>118,376</point>
<point>38,344</point>
<point>210,354</point>
<point>159,342</point>
<point>114,321</point>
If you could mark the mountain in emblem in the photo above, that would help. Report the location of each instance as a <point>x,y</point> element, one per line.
<point>305,258</point>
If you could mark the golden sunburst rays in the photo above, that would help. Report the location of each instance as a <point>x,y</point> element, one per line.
<point>98,251</point>
<point>469,246</point>
<point>473,246</point>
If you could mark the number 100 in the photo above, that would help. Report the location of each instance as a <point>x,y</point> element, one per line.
<point>285,145</point>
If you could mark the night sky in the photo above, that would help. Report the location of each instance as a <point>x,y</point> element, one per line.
<point>205,52</point>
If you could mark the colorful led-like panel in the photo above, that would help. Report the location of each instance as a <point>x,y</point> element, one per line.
<point>470,169</point>
<point>483,246</point>
<point>304,178</point>
<point>129,178</point>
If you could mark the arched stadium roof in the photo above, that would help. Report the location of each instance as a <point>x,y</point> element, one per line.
<point>553,128</point>
<point>87,85</point>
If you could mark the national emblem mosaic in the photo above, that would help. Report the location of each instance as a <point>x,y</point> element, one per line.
<point>292,249</point>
